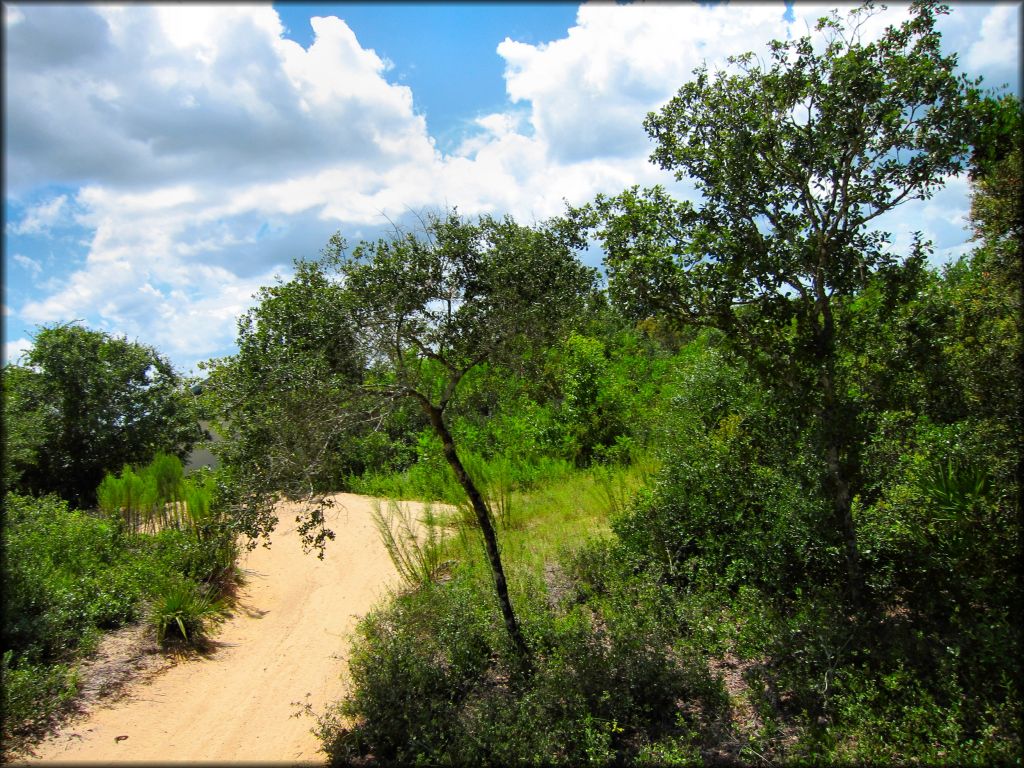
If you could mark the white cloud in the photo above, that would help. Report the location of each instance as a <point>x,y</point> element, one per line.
<point>42,216</point>
<point>207,150</point>
<point>998,45</point>
<point>13,350</point>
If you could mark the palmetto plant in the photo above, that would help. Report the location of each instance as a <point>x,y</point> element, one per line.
<point>955,487</point>
<point>181,610</point>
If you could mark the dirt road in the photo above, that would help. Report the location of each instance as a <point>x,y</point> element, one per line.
<point>285,643</point>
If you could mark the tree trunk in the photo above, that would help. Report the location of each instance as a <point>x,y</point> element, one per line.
<point>839,484</point>
<point>490,538</point>
<point>842,510</point>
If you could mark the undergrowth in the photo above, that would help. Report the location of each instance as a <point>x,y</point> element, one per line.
<point>69,575</point>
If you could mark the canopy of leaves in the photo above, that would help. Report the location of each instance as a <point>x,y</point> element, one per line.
<point>87,403</point>
<point>445,300</point>
<point>283,402</point>
<point>794,159</point>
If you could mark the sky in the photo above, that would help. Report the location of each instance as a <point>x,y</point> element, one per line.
<point>162,162</point>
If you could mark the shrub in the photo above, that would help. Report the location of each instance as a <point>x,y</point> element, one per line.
<point>32,694</point>
<point>181,610</point>
<point>64,574</point>
<point>433,681</point>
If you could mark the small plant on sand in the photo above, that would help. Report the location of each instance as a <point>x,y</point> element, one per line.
<point>181,610</point>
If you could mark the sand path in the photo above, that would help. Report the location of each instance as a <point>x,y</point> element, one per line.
<point>285,643</point>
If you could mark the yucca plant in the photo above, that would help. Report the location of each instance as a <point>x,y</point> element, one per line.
<point>181,610</point>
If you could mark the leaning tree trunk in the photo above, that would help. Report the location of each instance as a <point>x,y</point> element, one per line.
<point>490,538</point>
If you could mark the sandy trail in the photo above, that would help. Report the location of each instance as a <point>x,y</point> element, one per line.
<point>286,642</point>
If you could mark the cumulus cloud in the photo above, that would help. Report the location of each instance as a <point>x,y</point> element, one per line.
<point>13,350</point>
<point>194,93</point>
<point>204,150</point>
<point>998,47</point>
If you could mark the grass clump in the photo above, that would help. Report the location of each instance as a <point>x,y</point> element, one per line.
<point>414,545</point>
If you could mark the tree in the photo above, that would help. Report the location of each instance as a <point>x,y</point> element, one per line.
<point>283,402</point>
<point>431,307</point>
<point>341,348</point>
<point>87,403</point>
<point>794,160</point>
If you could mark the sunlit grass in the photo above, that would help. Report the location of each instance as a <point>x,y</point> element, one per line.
<point>539,525</point>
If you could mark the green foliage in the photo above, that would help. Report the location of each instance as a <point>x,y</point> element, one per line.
<point>593,405</point>
<point>33,693</point>
<point>461,293</point>
<point>86,403</point>
<point>64,574</point>
<point>284,402</point>
<point>1000,130</point>
<point>181,610</point>
<point>159,497</point>
<point>414,545</point>
<point>68,575</point>
<point>433,682</point>
<point>432,306</point>
<point>730,507</point>
<point>794,159</point>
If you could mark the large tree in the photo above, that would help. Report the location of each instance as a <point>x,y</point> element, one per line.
<point>794,160</point>
<point>361,334</point>
<point>282,403</point>
<point>432,306</point>
<point>86,403</point>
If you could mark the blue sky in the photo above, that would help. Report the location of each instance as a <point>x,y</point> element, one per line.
<point>165,161</point>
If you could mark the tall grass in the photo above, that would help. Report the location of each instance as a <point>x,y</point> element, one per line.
<point>414,546</point>
<point>614,485</point>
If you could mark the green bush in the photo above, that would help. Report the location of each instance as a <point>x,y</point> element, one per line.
<point>433,680</point>
<point>64,574</point>
<point>181,610</point>
<point>33,693</point>
<point>69,574</point>
<point>729,507</point>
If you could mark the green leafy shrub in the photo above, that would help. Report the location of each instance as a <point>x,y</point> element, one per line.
<point>434,681</point>
<point>69,574</point>
<point>64,574</point>
<point>32,694</point>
